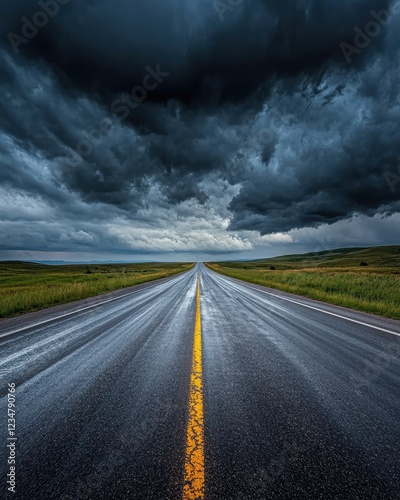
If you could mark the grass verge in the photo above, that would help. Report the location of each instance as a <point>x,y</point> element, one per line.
<point>27,287</point>
<point>362,281</point>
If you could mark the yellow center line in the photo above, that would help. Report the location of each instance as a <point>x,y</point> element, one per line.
<point>193,488</point>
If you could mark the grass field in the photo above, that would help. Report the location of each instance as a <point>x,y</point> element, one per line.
<point>26,287</point>
<point>363,279</point>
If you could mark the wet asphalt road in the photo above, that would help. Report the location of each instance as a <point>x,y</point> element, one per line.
<point>301,399</point>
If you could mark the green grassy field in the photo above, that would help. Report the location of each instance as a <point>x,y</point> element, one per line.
<point>365,279</point>
<point>26,287</point>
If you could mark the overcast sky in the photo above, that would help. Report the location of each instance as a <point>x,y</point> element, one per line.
<point>197,129</point>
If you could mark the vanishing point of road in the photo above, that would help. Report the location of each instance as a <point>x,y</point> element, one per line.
<point>199,387</point>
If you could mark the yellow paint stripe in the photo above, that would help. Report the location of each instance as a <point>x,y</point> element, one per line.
<point>193,488</point>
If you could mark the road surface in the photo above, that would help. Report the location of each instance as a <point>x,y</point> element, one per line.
<point>201,386</point>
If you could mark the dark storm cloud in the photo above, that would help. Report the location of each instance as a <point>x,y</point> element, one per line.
<point>330,162</point>
<point>264,99</point>
<point>106,45</point>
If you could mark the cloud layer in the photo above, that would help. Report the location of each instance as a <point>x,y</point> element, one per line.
<point>186,127</point>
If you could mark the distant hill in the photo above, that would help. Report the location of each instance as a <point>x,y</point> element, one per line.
<point>86,262</point>
<point>382,257</point>
<point>30,264</point>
